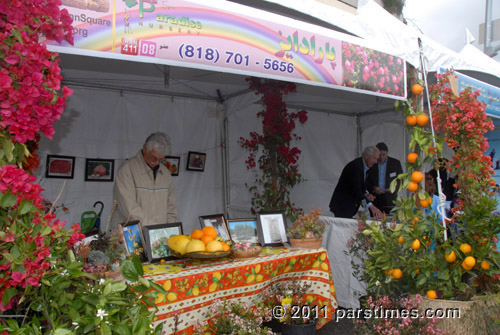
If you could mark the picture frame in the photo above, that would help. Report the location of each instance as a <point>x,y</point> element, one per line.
<point>218,222</point>
<point>271,227</point>
<point>60,167</point>
<point>196,161</point>
<point>99,169</point>
<point>243,230</point>
<point>132,238</point>
<point>156,238</point>
<point>172,163</point>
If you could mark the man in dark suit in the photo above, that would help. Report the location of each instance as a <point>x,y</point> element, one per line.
<point>351,188</point>
<point>380,177</point>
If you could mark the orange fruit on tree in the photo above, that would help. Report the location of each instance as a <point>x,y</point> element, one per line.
<point>417,176</point>
<point>197,234</point>
<point>415,219</point>
<point>390,272</point>
<point>412,157</point>
<point>411,120</point>
<point>431,294</point>
<point>422,120</point>
<point>401,239</point>
<point>465,248</point>
<point>417,89</point>
<point>470,261</point>
<point>397,273</point>
<point>211,231</point>
<point>412,186</point>
<point>207,239</point>
<point>451,257</point>
<point>424,203</point>
<point>485,265</point>
<point>415,245</point>
<point>465,266</point>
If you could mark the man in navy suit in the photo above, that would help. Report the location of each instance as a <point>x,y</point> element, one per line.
<point>351,188</point>
<point>380,177</point>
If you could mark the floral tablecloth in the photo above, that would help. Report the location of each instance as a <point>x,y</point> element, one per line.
<point>193,289</point>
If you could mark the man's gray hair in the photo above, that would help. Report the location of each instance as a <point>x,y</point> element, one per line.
<point>160,142</point>
<point>370,151</point>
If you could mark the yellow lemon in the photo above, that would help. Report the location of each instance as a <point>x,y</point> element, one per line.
<point>322,256</point>
<point>324,266</point>
<point>431,294</point>
<point>214,246</point>
<point>196,291</point>
<point>451,257</point>
<point>251,279</point>
<point>287,268</point>
<point>167,285</point>
<point>465,248</point>
<point>212,287</point>
<point>257,268</point>
<point>217,275</point>
<point>160,297</point>
<point>172,296</point>
<point>195,246</point>
<point>259,278</point>
<point>178,243</point>
<point>315,264</point>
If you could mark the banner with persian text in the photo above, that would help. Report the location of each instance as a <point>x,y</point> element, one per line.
<point>191,34</point>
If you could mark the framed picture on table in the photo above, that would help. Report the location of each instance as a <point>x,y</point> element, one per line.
<point>271,227</point>
<point>196,161</point>
<point>243,230</point>
<point>99,169</point>
<point>156,239</point>
<point>218,222</point>
<point>133,239</point>
<point>60,167</point>
<point>172,164</point>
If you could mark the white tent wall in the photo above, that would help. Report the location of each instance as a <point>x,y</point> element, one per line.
<point>110,124</point>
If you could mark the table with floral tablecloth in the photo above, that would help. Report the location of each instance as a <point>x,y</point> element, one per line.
<point>191,290</point>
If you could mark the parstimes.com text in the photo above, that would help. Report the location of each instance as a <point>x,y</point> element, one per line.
<point>382,313</point>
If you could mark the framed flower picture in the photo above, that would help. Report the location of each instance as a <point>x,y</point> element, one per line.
<point>133,239</point>
<point>156,239</point>
<point>99,169</point>
<point>60,167</point>
<point>271,227</point>
<point>196,161</point>
<point>172,164</point>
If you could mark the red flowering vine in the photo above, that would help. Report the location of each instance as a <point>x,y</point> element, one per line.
<point>278,163</point>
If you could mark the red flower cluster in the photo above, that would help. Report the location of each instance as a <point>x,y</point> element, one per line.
<point>463,122</point>
<point>372,70</point>
<point>29,73</point>
<point>278,162</point>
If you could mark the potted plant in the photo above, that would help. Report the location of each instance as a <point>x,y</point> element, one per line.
<point>276,170</point>
<point>308,231</point>
<point>235,317</point>
<point>454,262</point>
<point>296,311</point>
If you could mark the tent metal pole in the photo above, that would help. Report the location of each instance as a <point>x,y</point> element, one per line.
<point>359,140</point>
<point>225,162</point>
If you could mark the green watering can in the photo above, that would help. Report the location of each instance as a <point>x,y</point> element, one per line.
<point>91,219</point>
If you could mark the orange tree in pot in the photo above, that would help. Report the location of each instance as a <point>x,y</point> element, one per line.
<point>453,261</point>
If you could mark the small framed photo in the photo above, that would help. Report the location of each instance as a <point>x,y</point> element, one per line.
<point>196,161</point>
<point>218,222</point>
<point>60,167</point>
<point>172,164</point>
<point>99,169</point>
<point>156,239</point>
<point>271,227</point>
<point>243,230</point>
<point>132,238</point>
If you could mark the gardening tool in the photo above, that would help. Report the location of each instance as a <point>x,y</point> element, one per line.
<point>91,219</point>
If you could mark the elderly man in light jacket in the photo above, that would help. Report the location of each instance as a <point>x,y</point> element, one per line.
<point>144,188</point>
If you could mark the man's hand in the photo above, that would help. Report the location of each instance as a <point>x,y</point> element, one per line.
<point>369,197</point>
<point>379,190</point>
<point>376,213</point>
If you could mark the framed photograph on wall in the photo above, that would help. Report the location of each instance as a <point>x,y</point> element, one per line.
<point>99,169</point>
<point>156,239</point>
<point>196,161</point>
<point>60,167</point>
<point>218,222</point>
<point>133,239</point>
<point>172,164</point>
<point>271,227</point>
<point>243,230</point>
